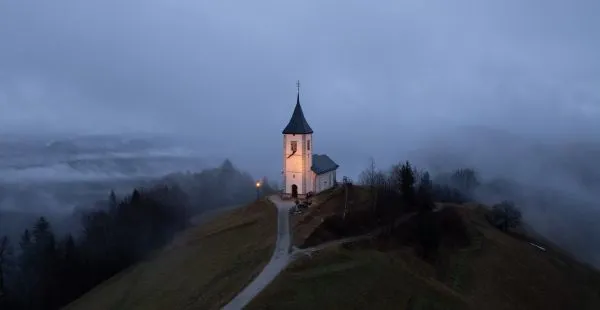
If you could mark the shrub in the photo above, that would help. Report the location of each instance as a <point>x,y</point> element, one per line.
<point>505,215</point>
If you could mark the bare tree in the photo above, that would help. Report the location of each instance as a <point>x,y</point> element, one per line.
<point>367,176</point>
<point>375,179</point>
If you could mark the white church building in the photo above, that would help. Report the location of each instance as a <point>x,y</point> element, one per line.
<point>303,171</point>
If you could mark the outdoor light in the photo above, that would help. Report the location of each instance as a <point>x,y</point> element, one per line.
<point>257,190</point>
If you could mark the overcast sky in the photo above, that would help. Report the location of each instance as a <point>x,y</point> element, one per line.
<point>372,73</point>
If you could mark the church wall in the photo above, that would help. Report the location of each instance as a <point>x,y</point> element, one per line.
<point>297,166</point>
<point>325,181</point>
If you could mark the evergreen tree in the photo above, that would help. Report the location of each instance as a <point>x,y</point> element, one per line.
<point>425,193</point>
<point>112,201</point>
<point>25,258</point>
<point>44,265</point>
<point>407,183</point>
<point>5,252</point>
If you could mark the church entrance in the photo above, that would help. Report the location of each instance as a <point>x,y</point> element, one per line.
<point>294,191</point>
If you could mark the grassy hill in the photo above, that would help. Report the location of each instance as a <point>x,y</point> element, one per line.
<point>202,269</point>
<point>493,270</point>
<point>475,266</point>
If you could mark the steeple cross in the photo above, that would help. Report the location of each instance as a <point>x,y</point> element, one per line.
<point>298,85</point>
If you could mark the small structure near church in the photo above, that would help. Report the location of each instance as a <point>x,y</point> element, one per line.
<point>303,171</point>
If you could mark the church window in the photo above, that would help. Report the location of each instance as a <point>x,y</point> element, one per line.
<point>294,145</point>
<point>308,145</point>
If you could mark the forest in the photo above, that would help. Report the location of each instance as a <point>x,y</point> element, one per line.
<point>42,270</point>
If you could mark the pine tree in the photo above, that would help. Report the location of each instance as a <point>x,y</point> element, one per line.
<point>407,183</point>
<point>112,201</point>
<point>26,250</point>
<point>5,252</point>
<point>44,264</point>
<point>135,197</point>
<point>425,193</point>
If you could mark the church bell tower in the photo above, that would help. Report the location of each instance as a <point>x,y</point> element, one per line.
<point>297,153</point>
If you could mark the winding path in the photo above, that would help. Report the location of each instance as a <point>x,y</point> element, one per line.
<point>280,259</point>
<point>283,253</point>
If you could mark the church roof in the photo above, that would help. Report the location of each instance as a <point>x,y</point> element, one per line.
<point>322,164</point>
<point>297,124</point>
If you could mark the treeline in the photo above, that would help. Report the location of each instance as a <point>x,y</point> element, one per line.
<point>45,271</point>
<point>404,189</point>
<point>416,186</point>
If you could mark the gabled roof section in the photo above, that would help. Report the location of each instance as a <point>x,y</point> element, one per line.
<point>322,164</point>
<point>297,124</point>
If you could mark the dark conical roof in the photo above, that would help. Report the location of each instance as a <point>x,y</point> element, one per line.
<point>297,124</point>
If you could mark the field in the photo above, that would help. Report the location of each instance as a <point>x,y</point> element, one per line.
<point>204,267</point>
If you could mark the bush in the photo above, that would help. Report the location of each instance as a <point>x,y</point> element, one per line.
<point>466,180</point>
<point>505,215</point>
<point>447,193</point>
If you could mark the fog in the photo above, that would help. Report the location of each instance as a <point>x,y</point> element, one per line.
<point>509,88</point>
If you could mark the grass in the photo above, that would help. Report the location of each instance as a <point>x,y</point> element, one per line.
<point>353,279</point>
<point>495,270</point>
<point>325,204</point>
<point>204,267</point>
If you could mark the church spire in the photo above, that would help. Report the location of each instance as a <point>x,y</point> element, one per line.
<point>297,124</point>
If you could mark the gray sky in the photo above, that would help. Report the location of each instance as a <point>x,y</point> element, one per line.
<point>372,75</point>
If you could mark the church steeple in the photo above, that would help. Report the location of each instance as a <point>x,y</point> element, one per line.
<point>297,124</point>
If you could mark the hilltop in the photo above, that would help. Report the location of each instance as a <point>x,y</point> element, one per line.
<point>357,260</point>
<point>477,266</point>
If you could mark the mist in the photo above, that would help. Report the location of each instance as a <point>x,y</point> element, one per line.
<point>507,88</point>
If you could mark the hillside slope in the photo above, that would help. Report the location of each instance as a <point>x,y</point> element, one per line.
<point>494,271</point>
<point>202,269</point>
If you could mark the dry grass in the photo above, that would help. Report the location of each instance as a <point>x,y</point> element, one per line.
<point>508,273</point>
<point>496,271</point>
<point>202,269</point>
<point>324,205</point>
<point>358,279</point>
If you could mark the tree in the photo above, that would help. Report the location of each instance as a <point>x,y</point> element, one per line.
<point>368,177</point>
<point>26,250</point>
<point>112,201</point>
<point>51,272</point>
<point>425,193</point>
<point>5,252</point>
<point>375,179</point>
<point>44,265</point>
<point>465,180</point>
<point>505,215</point>
<point>407,183</point>
<point>446,193</point>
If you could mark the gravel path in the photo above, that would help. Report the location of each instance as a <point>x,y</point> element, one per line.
<point>280,259</point>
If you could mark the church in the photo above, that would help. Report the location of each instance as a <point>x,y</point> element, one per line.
<point>303,171</point>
